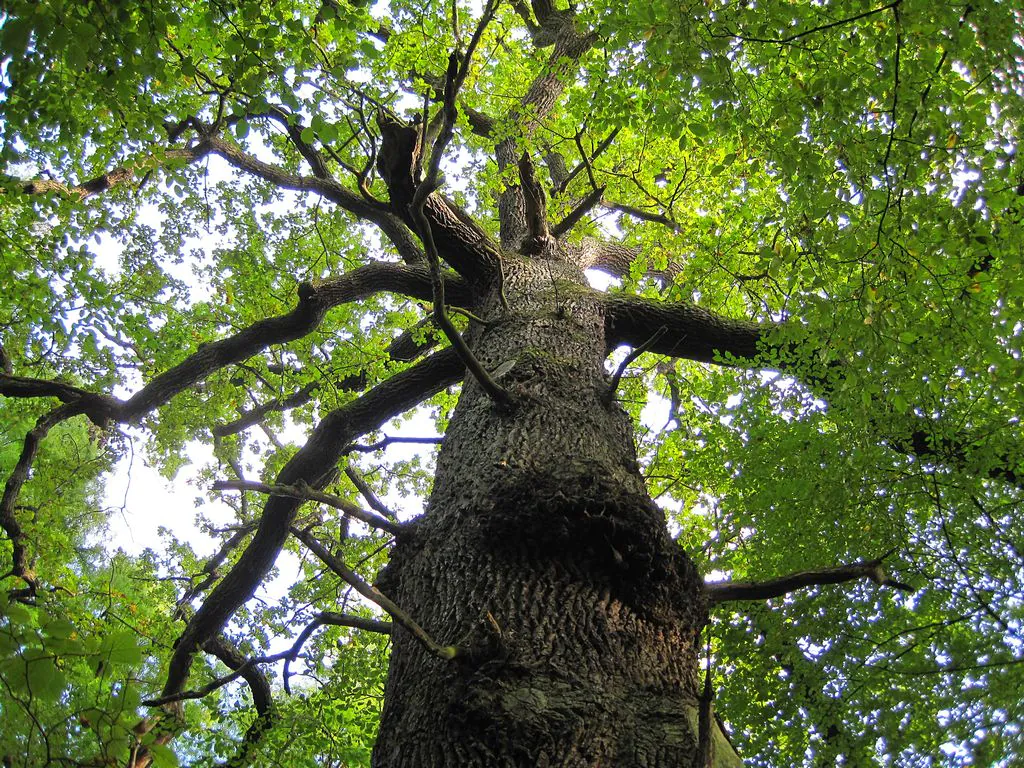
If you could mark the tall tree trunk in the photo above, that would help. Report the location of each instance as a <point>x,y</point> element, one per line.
<point>543,559</point>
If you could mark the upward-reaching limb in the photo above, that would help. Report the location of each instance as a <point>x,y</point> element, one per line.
<point>340,427</point>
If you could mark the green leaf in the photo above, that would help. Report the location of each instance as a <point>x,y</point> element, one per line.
<point>45,680</point>
<point>164,756</point>
<point>120,647</point>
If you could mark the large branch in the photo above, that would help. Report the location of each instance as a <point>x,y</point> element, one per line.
<point>570,45</point>
<point>466,247</point>
<point>210,143</point>
<point>617,259</point>
<point>312,465</point>
<point>689,331</point>
<point>314,303</point>
<point>727,591</point>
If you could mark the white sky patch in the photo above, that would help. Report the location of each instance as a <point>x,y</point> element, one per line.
<point>143,501</point>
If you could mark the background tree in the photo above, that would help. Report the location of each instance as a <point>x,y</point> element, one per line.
<point>239,223</point>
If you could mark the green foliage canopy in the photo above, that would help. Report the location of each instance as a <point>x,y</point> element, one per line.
<point>846,171</point>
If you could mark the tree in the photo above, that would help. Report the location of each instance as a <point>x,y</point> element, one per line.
<point>232,222</point>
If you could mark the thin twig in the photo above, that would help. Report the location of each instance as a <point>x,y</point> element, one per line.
<point>303,490</point>
<point>821,28</point>
<point>382,444</point>
<point>629,360</point>
<point>371,593</point>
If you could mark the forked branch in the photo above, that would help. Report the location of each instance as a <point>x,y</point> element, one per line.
<point>454,78</point>
<point>20,563</point>
<point>539,238</point>
<point>328,618</point>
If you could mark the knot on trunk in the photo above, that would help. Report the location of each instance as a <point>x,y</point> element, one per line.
<point>609,536</point>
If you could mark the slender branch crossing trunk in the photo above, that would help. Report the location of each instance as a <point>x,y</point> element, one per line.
<point>542,557</point>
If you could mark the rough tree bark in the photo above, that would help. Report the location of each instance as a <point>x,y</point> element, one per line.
<point>541,557</point>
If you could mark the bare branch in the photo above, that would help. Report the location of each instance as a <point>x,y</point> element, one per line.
<point>367,492</point>
<point>256,415</point>
<point>585,164</point>
<point>721,592</point>
<point>691,332</point>
<point>293,127</point>
<point>539,238</point>
<point>239,666</point>
<point>585,206</point>
<point>640,213</point>
<point>382,444</point>
<point>332,619</point>
<point>370,592</point>
<point>633,355</point>
<point>305,492</point>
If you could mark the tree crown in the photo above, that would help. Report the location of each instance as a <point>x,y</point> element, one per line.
<point>212,228</point>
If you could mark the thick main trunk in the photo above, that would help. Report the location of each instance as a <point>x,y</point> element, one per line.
<point>543,559</point>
